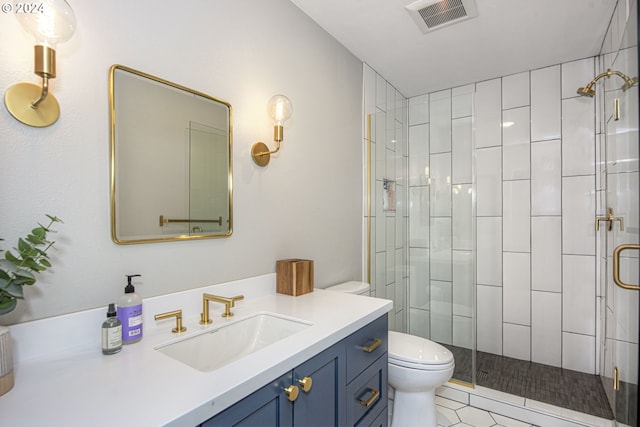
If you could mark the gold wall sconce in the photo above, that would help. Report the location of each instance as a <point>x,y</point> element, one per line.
<point>280,109</point>
<point>50,22</point>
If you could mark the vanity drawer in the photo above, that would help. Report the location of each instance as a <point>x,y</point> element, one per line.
<point>382,420</point>
<point>365,346</point>
<point>367,394</point>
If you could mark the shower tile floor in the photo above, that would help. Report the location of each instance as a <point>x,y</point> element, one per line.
<point>560,387</point>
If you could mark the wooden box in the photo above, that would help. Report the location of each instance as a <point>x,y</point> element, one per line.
<point>294,276</point>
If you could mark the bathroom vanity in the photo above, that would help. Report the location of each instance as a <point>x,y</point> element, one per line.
<point>63,379</point>
<point>345,385</point>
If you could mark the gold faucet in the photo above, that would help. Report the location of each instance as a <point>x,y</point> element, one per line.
<point>229,303</point>
<point>175,313</point>
<point>609,219</point>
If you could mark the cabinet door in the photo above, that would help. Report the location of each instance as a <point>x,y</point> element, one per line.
<point>323,404</point>
<point>267,406</point>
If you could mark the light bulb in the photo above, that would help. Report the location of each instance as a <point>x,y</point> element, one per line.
<point>54,23</point>
<point>280,109</point>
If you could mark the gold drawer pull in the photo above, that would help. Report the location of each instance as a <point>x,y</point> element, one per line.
<point>616,266</point>
<point>292,393</point>
<point>376,344</point>
<point>374,396</point>
<point>306,383</point>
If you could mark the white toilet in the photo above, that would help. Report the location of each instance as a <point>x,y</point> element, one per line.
<point>417,367</point>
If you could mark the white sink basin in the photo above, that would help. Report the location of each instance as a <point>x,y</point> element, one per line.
<point>221,345</point>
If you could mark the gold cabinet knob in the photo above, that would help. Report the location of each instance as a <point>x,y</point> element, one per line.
<point>306,383</point>
<point>292,392</point>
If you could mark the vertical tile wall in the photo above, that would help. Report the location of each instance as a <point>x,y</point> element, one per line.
<point>534,146</point>
<point>389,196</point>
<point>535,206</point>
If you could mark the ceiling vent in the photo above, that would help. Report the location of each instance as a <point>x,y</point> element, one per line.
<point>432,15</point>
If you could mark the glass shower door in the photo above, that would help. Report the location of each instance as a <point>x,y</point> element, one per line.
<point>622,304</point>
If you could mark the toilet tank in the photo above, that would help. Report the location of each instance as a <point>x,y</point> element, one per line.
<point>352,287</point>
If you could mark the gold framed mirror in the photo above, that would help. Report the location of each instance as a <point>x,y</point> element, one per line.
<point>171,161</point>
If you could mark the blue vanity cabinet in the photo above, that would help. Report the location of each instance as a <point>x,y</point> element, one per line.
<point>320,389</point>
<point>344,385</point>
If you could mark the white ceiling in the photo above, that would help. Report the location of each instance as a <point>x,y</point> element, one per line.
<point>507,37</point>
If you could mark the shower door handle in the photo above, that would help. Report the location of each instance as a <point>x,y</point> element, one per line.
<point>616,266</point>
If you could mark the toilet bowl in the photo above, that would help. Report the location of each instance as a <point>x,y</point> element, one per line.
<point>417,367</point>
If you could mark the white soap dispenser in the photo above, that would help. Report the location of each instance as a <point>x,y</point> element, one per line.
<point>130,313</point>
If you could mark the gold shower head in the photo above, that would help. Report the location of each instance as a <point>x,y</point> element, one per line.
<point>587,90</point>
<point>590,92</point>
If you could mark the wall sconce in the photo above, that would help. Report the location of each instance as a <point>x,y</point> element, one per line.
<point>280,109</point>
<point>50,23</point>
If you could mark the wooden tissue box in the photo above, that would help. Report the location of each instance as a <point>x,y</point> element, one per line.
<point>294,276</point>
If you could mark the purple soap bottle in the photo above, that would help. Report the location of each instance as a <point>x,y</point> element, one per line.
<point>130,313</point>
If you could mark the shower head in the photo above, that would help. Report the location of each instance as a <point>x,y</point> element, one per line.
<point>587,91</point>
<point>590,92</point>
<point>628,82</point>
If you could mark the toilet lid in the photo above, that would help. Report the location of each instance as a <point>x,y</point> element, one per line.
<point>417,350</point>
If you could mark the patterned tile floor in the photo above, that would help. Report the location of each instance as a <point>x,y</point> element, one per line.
<point>451,413</point>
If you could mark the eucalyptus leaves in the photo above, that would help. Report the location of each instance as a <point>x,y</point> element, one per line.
<point>20,268</point>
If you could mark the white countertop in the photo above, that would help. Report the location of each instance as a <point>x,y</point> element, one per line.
<point>140,386</point>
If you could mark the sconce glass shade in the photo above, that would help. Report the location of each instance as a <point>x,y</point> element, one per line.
<point>50,23</point>
<point>55,24</point>
<point>280,109</point>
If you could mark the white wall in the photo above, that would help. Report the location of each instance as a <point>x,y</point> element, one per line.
<point>306,203</point>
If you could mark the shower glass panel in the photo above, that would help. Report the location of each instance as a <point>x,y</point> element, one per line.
<point>386,211</point>
<point>441,225</point>
<point>620,176</point>
<point>620,373</point>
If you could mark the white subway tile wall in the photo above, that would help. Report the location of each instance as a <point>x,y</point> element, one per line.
<point>394,205</point>
<point>515,168</point>
<point>534,152</point>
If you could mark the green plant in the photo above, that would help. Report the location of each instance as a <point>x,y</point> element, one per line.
<point>19,269</point>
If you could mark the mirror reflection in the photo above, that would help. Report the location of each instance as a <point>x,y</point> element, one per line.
<point>170,161</point>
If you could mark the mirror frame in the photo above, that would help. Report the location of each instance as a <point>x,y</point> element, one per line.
<point>112,152</point>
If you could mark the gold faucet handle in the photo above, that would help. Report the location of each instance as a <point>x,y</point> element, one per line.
<point>610,219</point>
<point>230,303</point>
<point>621,221</point>
<point>601,218</point>
<point>236,298</point>
<point>175,313</point>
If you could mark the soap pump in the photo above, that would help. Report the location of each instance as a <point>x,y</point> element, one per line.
<point>111,332</point>
<point>130,313</point>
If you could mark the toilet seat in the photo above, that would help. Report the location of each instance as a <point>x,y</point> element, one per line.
<point>418,353</point>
